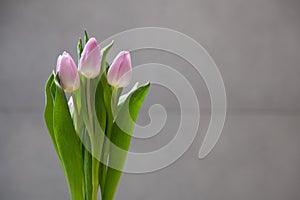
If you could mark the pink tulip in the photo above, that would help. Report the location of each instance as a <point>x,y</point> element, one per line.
<point>67,72</point>
<point>120,71</point>
<point>90,61</point>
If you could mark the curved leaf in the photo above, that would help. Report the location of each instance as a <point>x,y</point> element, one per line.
<point>48,113</point>
<point>133,102</point>
<point>68,144</point>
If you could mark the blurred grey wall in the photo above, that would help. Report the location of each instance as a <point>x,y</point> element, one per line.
<point>255,43</point>
<point>256,46</point>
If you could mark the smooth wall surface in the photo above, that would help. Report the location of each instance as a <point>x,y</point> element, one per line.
<point>256,46</point>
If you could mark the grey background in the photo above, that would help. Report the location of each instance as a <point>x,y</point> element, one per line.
<point>256,45</point>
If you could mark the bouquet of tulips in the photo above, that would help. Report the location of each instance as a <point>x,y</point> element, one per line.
<point>91,131</point>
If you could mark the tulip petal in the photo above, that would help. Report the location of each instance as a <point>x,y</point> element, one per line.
<point>125,71</point>
<point>67,72</point>
<point>120,71</point>
<point>90,61</point>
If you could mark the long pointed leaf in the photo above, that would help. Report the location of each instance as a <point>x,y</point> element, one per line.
<point>48,113</point>
<point>122,139</point>
<point>68,144</point>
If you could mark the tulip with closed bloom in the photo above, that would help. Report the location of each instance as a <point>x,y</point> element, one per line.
<point>89,67</point>
<point>90,61</point>
<point>67,72</point>
<point>120,71</point>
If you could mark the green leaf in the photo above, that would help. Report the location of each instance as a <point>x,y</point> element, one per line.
<point>104,52</point>
<point>68,144</point>
<point>102,119</point>
<point>100,106</point>
<point>103,111</point>
<point>123,98</point>
<point>86,37</point>
<point>79,49</point>
<point>48,113</point>
<point>122,139</point>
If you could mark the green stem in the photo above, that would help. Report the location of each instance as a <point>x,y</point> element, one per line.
<point>95,174</point>
<point>104,160</point>
<point>114,96</point>
<point>95,162</point>
<point>88,100</point>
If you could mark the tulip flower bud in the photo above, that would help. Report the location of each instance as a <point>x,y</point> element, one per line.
<point>67,72</point>
<point>120,71</point>
<point>90,61</point>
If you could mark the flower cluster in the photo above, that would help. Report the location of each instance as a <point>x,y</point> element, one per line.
<point>96,116</point>
<point>119,73</point>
